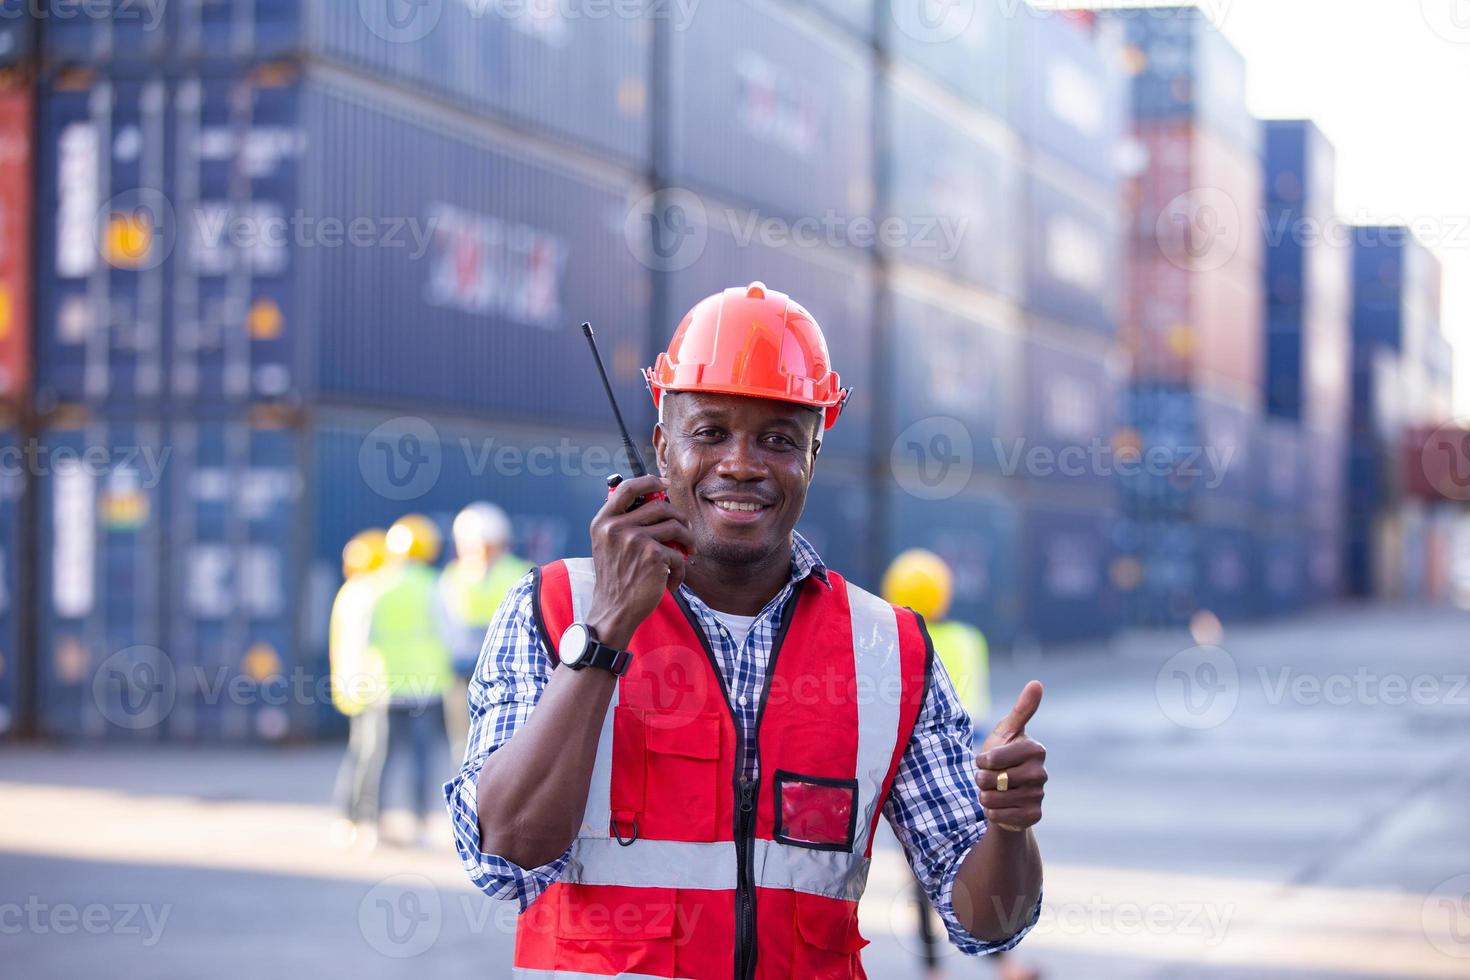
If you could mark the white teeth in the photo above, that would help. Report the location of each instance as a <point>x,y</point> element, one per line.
<point>736,505</point>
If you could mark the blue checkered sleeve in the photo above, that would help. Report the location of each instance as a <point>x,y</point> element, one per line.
<point>934,807</point>
<point>512,671</point>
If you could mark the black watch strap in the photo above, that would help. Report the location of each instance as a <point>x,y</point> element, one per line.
<point>607,658</point>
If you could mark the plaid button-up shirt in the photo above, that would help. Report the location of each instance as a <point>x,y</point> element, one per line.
<point>934,807</point>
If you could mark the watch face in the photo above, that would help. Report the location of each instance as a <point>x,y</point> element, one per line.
<point>573,645</point>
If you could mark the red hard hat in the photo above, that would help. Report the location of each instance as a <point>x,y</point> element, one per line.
<point>751,341</point>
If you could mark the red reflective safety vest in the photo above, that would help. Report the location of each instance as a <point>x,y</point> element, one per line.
<point>681,868</point>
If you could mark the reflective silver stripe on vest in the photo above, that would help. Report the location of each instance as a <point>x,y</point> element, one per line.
<point>711,866</point>
<point>878,672</point>
<point>598,814</point>
<point>523,974</point>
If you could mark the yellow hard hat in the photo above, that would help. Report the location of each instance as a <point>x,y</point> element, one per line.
<point>414,536</point>
<point>366,551</point>
<point>920,580</point>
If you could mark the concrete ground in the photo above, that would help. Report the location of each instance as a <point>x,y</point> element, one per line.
<point>1294,802</point>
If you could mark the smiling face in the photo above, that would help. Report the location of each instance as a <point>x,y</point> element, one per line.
<point>739,468</point>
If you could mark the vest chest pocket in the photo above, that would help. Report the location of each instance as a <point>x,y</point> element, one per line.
<point>815,812</point>
<point>667,774</point>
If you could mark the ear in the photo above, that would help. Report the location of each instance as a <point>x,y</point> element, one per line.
<point>660,448</point>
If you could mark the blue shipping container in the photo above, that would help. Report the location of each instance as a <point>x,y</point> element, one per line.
<point>1282,471</point>
<point>104,665</point>
<point>963,46</point>
<point>106,228</point>
<point>548,67</point>
<point>855,15</point>
<point>340,245</point>
<point>770,111</point>
<point>1071,415</point>
<point>1066,94</point>
<point>978,536</point>
<point>954,387</point>
<point>12,494</point>
<point>1191,447</point>
<point>1068,585</point>
<point>1281,567</point>
<point>1324,571</point>
<point>1184,68</point>
<point>1226,578</point>
<point>1158,570</point>
<point>1074,262</point>
<point>838,521</point>
<point>836,286</point>
<point>952,190</point>
<point>17,31</point>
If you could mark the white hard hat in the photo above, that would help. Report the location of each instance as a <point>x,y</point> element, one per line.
<point>484,522</point>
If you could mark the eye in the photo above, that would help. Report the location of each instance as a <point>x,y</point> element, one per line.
<point>708,433</point>
<point>780,441</point>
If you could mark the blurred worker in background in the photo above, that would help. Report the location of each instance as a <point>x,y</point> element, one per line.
<point>407,633</point>
<point>357,690</point>
<point>471,589</point>
<point>922,581</point>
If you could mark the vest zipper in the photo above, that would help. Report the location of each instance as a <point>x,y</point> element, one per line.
<point>746,790</point>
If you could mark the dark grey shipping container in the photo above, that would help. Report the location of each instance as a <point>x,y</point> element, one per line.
<point>1068,555</point>
<point>580,73</point>
<point>962,46</point>
<point>951,190</point>
<point>13,471</point>
<point>337,243</point>
<point>1070,425</point>
<point>1074,250</point>
<point>771,110</point>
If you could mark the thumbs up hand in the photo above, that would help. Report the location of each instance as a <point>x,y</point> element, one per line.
<point>1012,767</point>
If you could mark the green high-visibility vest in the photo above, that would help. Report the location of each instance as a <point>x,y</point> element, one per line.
<point>472,598</point>
<point>406,632</point>
<point>966,657</point>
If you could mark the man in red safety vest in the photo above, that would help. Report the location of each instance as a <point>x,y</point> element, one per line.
<point>681,746</point>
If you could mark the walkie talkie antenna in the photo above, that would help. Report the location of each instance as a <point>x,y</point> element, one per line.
<point>634,456</point>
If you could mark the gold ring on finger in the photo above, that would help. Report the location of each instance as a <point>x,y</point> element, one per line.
<point>1003,781</point>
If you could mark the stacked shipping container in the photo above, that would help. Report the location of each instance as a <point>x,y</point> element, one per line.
<point>1191,318</point>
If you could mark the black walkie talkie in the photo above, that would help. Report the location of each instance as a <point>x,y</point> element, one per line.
<point>635,458</point>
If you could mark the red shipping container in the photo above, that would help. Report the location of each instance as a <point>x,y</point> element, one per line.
<point>1197,198</point>
<point>17,151</point>
<point>1193,327</point>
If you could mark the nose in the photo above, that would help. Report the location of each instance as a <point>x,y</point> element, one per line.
<point>742,460</point>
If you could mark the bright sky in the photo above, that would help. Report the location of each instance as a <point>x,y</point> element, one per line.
<point>1388,81</point>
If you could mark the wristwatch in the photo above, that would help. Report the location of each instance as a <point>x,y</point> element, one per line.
<point>579,650</point>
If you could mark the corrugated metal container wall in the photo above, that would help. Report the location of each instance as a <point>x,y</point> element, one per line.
<point>961,365</point>
<point>1282,568</point>
<point>1071,412</point>
<point>17,195</point>
<point>1282,472</point>
<point>978,536</point>
<point>1378,288</point>
<point>128,33</point>
<point>1157,571</point>
<point>1184,68</point>
<point>770,111</point>
<point>105,669</point>
<point>951,184</point>
<point>836,286</point>
<point>1323,564</point>
<point>840,511</point>
<point>1201,327</point>
<point>966,47</point>
<point>1191,447</point>
<point>1066,95</point>
<point>12,493</point>
<point>1226,572</point>
<point>17,31</point>
<point>1069,557</point>
<point>105,233</point>
<point>233,552</point>
<point>1074,268</point>
<point>1325,464</point>
<point>578,76</point>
